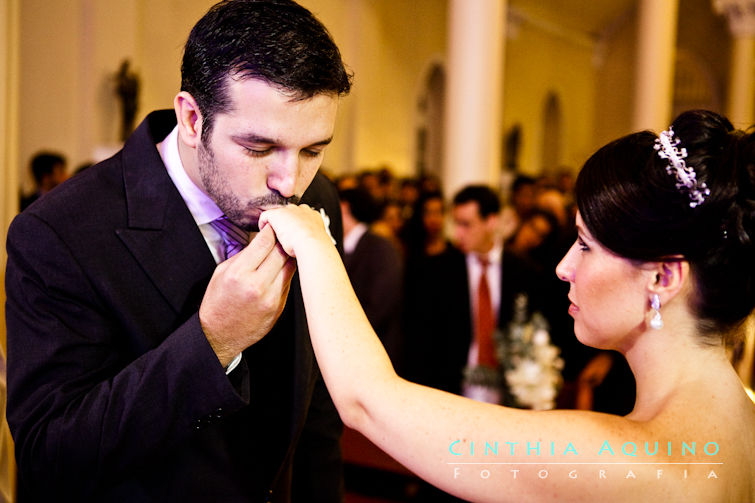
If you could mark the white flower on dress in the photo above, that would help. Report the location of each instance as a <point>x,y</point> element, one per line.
<point>326,221</point>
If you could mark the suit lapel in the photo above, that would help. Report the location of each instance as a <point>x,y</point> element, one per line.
<point>161,234</point>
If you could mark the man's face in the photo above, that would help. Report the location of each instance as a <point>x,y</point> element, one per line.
<point>53,179</point>
<point>472,232</point>
<point>264,150</point>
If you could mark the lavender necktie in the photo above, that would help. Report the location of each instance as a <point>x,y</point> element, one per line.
<point>234,237</point>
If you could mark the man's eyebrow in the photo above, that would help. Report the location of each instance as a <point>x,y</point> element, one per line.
<point>322,143</point>
<point>253,138</point>
<point>258,139</point>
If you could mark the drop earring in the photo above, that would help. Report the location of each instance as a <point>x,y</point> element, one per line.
<point>656,322</point>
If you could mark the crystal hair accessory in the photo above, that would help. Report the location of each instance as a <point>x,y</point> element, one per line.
<point>686,178</point>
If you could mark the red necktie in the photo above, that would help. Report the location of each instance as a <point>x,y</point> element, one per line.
<point>485,321</point>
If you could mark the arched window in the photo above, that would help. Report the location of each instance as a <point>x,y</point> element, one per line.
<point>550,158</point>
<point>430,130</point>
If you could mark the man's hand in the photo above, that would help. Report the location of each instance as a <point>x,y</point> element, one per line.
<point>246,295</point>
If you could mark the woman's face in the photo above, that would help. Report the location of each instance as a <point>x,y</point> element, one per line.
<point>432,216</point>
<point>532,233</point>
<point>608,293</point>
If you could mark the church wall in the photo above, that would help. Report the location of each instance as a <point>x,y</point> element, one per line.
<point>538,62</point>
<point>71,49</point>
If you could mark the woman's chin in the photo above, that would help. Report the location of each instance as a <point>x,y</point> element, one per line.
<point>589,338</point>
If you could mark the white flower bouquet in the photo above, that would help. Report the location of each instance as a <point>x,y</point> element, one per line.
<point>529,375</point>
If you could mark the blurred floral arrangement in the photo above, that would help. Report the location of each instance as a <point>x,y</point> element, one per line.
<point>530,372</point>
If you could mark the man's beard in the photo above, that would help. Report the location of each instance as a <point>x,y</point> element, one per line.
<point>245,215</point>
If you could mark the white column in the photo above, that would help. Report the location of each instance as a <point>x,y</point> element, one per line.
<point>740,106</point>
<point>656,53</point>
<point>9,97</point>
<point>474,93</point>
<point>9,187</point>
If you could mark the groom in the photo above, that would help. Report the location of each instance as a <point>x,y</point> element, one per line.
<point>152,355</point>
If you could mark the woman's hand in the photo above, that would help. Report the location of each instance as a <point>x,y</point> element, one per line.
<point>296,227</point>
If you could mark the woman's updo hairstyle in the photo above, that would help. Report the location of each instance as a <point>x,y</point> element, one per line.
<point>632,206</point>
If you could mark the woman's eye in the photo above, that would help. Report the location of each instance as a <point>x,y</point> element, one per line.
<point>582,245</point>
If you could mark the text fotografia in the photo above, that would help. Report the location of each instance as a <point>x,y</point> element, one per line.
<point>605,449</point>
<point>614,473</point>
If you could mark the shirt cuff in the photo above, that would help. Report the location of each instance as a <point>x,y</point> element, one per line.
<point>234,363</point>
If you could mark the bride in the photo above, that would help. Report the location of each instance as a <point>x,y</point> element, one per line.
<point>663,271</point>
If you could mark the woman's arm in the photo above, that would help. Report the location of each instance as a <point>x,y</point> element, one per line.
<point>478,451</point>
<point>339,321</point>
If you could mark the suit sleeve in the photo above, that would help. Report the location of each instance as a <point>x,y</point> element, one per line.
<point>77,403</point>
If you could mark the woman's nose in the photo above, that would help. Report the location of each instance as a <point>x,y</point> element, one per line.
<point>564,269</point>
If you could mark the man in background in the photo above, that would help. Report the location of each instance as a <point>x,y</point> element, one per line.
<point>157,344</point>
<point>375,269</point>
<point>49,171</point>
<point>481,285</point>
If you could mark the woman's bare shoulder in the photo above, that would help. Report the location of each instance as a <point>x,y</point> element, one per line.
<point>708,438</point>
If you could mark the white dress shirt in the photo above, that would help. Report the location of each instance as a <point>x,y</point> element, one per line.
<point>351,240</point>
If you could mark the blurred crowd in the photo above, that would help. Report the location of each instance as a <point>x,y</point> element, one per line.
<point>407,251</point>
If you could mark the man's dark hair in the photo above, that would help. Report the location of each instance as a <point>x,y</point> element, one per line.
<point>362,205</point>
<point>522,181</point>
<point>487,200</point>
<point>44,163</point>
<point>277,41</point>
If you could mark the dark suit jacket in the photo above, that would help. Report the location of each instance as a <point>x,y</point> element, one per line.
<point>438,319</point>
<point>114,393</point>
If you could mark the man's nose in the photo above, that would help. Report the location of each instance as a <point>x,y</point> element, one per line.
<point>283,174</point>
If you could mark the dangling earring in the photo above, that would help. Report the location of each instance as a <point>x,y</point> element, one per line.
<point>656,322</point>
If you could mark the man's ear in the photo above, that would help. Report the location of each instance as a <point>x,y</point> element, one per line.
<point>492,222</point>
<point>189,119</point>
<point>668,278</point>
